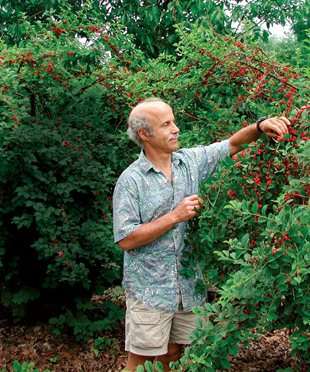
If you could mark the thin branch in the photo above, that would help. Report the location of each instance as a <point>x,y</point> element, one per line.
<point>271,75</point>
<point>32,101</point>
<point>46,109</point>
<point>34,15</point>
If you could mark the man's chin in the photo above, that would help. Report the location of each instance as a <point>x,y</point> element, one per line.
<point>174,144</point>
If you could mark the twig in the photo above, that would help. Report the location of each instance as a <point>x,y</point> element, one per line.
<point>32,101</point>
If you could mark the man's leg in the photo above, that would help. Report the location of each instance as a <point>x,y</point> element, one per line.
<point>174,354</point>
<point>135,360</point>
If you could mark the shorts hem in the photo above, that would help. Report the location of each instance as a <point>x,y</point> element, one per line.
<point>148,352</point>
<point>180,342</point>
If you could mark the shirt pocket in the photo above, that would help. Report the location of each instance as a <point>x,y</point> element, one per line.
<point>147,330</point>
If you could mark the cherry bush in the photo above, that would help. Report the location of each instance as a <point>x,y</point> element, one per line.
<point>252,237</point>
<point>59,162</point>
<point>66,92</point>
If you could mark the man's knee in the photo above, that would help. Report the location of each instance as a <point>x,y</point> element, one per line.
<point>135,360</point>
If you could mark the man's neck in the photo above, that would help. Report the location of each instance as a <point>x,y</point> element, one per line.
<point>161,161</point>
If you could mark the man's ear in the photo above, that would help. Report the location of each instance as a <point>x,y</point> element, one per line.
<point>143,134</point>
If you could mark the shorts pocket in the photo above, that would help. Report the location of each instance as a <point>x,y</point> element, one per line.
<point>146,330</point>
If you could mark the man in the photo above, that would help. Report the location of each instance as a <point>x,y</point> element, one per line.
<point>153,200</point>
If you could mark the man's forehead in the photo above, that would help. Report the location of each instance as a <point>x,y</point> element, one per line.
<point>150,107</point>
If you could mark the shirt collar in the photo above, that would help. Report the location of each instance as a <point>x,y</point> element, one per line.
<point>146,165</point>
<point>176,158</point>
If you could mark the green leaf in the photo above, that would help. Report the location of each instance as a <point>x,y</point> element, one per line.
<point>148,366</point>
<point>225,363</point>
<point>265,36</point>
<point>255,208</point>
<point>244,206</point>
<point>159,367</point>
<point>233,349</point>
<point>53,321</point>
<point>16,365</point>
<point>230,161</point>
<point>199,322</point>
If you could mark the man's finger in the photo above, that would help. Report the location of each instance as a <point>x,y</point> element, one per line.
<point>273,135</point>
<point>286,121</point>
<point>192,197</point>
<point>283,123</point>
<point>277,126</point>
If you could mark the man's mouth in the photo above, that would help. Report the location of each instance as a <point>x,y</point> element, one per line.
<point>172,138</point>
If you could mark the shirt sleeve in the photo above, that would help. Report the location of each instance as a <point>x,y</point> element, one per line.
<point>126,213</point>
<point>210,156</point>
<point>207,158</point>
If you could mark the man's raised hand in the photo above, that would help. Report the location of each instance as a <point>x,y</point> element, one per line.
<point>275,127</point>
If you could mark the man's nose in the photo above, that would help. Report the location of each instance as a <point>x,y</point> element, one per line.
<point>175,128</point>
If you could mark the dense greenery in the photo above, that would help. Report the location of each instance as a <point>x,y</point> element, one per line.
<point>153,21</point>
<point>59,161</point>
<point>288,50</point>
<point>252,237</point>
<point>68,79</point>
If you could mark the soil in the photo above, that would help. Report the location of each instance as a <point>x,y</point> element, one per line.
<point>39,345</point>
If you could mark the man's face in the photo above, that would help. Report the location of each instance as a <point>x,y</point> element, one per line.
<point>161,117</point>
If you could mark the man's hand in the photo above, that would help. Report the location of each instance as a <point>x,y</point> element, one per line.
<point>187,208</point>
<point>275,127</point>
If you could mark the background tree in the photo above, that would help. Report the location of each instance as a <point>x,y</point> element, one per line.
<point>152,21</point>
<point>285,49</point>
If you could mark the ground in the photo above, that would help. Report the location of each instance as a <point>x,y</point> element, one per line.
<point>37,344</point>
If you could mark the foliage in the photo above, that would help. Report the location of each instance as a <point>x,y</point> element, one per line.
<point>301,23</point>
<point>252,237</point>
<point>152,21</point>
<point>63,108</point>
<point>155,20</point>
<point>25,367</point>
<point>59,163</point>
<point>284,49</point>
<point>289,51</point>
<point>14,13</point>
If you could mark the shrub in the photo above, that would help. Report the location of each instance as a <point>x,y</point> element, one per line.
<point>252,237</point>
<point>59,161</point>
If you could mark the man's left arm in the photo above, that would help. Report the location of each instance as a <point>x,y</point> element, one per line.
<point>272,127</point>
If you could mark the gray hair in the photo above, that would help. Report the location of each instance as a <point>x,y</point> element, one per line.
<point>139,121</point>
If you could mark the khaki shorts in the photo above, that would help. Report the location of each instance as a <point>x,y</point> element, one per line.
<point>148,331</point>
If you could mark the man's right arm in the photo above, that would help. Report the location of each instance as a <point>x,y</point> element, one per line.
<point>150,231</point>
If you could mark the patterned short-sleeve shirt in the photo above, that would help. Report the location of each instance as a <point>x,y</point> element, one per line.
<point>143,194</point>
